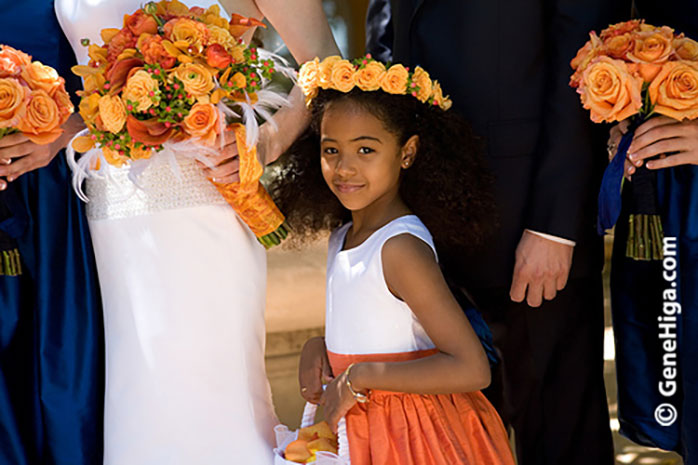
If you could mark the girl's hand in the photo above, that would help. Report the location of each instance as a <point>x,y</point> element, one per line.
<point>661,136</point>
<point>614,138</point>
<point>337,400</point>
<point>314,370</point>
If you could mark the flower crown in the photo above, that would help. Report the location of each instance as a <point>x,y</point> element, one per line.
<point>368,75</point>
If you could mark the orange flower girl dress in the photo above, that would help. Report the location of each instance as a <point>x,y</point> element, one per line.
<point>366,323</point>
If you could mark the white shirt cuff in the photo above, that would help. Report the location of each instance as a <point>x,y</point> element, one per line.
<point>560,240</point>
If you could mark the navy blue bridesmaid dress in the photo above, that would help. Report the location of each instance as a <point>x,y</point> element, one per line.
<point>655,304</point>
<point>51,334</point>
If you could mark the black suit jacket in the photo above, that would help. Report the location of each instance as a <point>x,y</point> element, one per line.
<point>505,64</point>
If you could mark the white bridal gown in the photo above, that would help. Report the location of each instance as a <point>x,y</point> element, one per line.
<point>183,286</point>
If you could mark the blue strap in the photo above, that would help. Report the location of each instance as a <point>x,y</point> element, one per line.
<point>609,194</point>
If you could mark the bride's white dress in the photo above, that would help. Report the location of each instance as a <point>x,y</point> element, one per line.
<point>183,286</point>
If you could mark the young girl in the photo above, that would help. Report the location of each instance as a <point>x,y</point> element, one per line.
<point>407,365</point>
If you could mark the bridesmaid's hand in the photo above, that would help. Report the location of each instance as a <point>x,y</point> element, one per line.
<point>19,155</point>
<point>314,369</point>
<point>337,400</point>
<point>663,136</point>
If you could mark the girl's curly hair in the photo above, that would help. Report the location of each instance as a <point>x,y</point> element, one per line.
<point>447,186</point>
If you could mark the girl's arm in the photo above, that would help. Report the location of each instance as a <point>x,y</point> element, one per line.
<point>461,365</point>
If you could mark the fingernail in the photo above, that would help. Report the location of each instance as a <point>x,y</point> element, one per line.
<point>638,163</point>
<point>10,178</point>
<point>3,186</point>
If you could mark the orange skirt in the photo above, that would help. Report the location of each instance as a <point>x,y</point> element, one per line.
<point>422,429</point>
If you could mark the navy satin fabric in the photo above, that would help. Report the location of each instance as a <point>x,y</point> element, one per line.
<point>51,334</point>
<point>637,300</point>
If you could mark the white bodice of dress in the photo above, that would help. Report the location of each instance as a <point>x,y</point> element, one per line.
<point>362,315</point>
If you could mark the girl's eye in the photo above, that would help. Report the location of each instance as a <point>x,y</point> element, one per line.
<point>366,150</point>
<point>330,151</point>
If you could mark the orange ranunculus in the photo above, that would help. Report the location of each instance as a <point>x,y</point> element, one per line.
<point>13,101</point>
<point>653,46</point>
<point>308,78</point>
<point>112,112</point>
<point>154,51</point>
<point>41,121</point>
<point>140,90</point>
<point>675,90</point>
<point>89,109</point>
<point>140,23</point>
<point>202,123</point>
<point>40,76</point>
<point>121,41</point>
<point>140,153</point>
<point>196,78</point>
<point>369,77</point>
<point>621,28</point>
<point>118,73</point>
<point>148,132</point>
<point>187,34</point>
<point>686,49</point>
<point>609,90</point>
<point>325,70</point>
<point>240,24</point>
<point>217,57</point>
<point>395,80</point>
<point>422,80</point>
<point>114,157</point>
<point>342,77</point>
<point>221,35</point>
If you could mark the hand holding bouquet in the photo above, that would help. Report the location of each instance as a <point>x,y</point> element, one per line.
<point>634,71</point>
<point>174,79</point>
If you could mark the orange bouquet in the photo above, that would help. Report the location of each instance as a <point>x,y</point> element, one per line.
<point>174,77</point>
<point>34,102</point>
<point>635,70</point>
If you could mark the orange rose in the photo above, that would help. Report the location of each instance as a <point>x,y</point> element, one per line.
<point>16,56</point>
<point>65,105</point>
<point>112,112</point>
<point>41,122</point>
<point>619,46</point>
<point>217,56</point>
<point>13,101</point>
<point>395,80</point>
<point>609,90</point>
<point>308,78</point>
<point>141,23</point>
<point>675,90</point>
<point>140,90</point>
<point>187,34</point>
<point>686,49</point>
<point>652,46</point>
<point>325,70</point>
<point>591,50</point>
<point>196,78</point>
<point>154,52</point>
<point>342,77</point>
<point>202,123</point>
<point>421,79</point>
<point>369,77</point>
<point>40,76</point>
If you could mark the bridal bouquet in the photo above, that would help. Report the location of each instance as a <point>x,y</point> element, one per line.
<point>635,70</point>
<point>172,80</point>
<point>34,102</point>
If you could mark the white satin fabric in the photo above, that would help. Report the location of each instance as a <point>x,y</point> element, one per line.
<point>183,287</point>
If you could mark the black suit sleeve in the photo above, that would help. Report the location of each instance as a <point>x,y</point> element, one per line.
<point>563,177</point>
<point>379,30</point>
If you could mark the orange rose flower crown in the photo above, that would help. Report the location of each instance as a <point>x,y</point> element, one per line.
<point>369,75</point>
<point>634,71</point>
<point>169,83</point>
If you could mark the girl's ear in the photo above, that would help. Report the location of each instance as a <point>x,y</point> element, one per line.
<point>409,151</point>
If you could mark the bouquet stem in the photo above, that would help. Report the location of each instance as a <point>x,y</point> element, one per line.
<point>645,232</point>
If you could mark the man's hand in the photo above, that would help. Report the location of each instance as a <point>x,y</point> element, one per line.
<point>541,269</point>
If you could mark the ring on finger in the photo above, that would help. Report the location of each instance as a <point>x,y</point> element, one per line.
<point>611,149</point>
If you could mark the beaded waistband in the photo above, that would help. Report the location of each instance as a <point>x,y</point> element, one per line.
<point>159,188</point>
